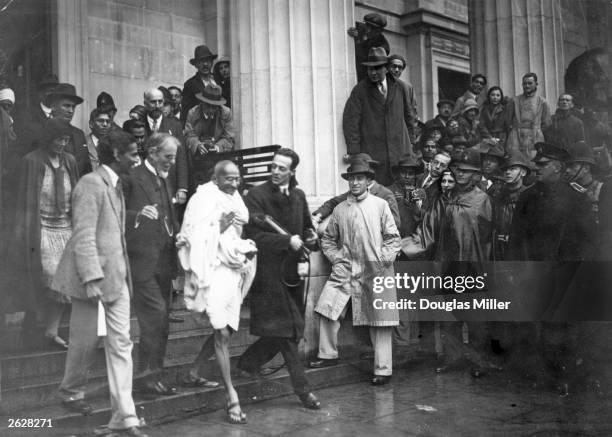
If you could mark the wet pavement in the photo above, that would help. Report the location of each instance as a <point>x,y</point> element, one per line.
<point>417,402</point>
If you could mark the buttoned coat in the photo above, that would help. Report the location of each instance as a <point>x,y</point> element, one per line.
<point>97,249</point>
<point>377,125</point>
<point>277,309</point>
<point>146,241</point>
<point>361,241</point>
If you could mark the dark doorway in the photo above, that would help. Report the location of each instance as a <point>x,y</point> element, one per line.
<point>451,84</point>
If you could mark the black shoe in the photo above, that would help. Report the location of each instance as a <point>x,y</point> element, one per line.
<point>310,401</point>
<point>380,380</point>
<point>175,319</point>
<point>323,362</point>
<point>78,406</point>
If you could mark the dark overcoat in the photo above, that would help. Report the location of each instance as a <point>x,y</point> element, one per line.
<point>277,310</point>
<point>27,225</point>
<point>378,126</point>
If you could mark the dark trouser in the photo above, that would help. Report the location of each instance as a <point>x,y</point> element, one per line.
<point>151,304</point>
<point>264,349</point>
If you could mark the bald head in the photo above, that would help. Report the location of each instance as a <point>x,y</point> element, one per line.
<point>226,176</point>
<point>153,102</point>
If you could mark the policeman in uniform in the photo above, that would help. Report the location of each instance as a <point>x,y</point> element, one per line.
<point>579,174</point>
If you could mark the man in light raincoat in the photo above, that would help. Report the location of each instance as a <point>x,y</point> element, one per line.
<point>361,241</point>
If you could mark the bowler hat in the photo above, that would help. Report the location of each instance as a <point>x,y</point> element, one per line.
<point>376,20</point>
<point>516,158</point>
<point>64,90</point>
<point>407,161</point>
<point>201,52</point>
<point>581,152</point>
<point>468,160</point>
<point>211,95</point>
<point>550,151</point>
<point>376,56</point>
<point>358,167</point>
<point>105,100</point>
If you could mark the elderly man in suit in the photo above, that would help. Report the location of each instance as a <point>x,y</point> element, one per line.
<point>29,130</point>
<point>94,271</point>
<point>156,122</point>
<point>150,230</point>
<point>202,60</point>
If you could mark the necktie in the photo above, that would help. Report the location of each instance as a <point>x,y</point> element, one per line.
<point>154,129</point>
<point>383,90</point>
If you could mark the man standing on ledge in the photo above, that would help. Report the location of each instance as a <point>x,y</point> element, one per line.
<point>376,117</point>
<point>277,302</point>
<point>361,241</point>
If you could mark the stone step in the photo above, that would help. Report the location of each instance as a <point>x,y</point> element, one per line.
<point>189,402</point>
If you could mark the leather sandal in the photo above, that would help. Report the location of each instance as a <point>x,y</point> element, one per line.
<point>233,417</point>
<point>198,381</point>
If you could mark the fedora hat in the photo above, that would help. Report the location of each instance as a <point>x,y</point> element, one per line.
<point>358,167</point>
<point>376,56</point>
<point>445,102</point>
<point>211,95</point>
<point>363,157</point>
<point>201,52</point>
<point>64,90</point>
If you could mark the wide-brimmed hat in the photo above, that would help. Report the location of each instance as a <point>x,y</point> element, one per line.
<point>375,20</point>
<point>201,52</point>
<point>491,150</point>
<point>550,151</point>
<point>105,100</point>
<point>376,56</point>
<point>211,95</point>
<point>64,90</point>
<point>358,167</point>
<point>408,161</point>
<point>468,160</point>
<point>516,158</point>
<point>581,152</point>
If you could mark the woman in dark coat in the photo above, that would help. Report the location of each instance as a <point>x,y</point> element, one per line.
<point>44,225</point>
<point>494,122</point>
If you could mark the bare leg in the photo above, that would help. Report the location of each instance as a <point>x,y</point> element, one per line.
<point>222,339</point>
<point>53,316</point>
<point>199,365</point>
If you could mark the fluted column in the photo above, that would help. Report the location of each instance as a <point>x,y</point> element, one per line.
<point>293,70</point>
<point>509,38</point>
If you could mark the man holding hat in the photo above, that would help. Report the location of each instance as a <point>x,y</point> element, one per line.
<point>374,188</point>
<point>361,241</point>
<point>367,35</point>
<point>376,117</point>
<point>202,60</point>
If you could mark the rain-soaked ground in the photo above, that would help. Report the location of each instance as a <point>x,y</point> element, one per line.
<point>418,402</point>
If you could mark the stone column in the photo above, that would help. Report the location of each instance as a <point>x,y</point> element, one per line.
<point>509,38</point>
<point>292,72</point>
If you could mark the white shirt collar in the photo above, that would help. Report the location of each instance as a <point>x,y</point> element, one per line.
<point>113,176</point>
<point>95,140</point>
<point>151,120</point>
<point>46,110</point>
<point>150,167</point>
<point>384,82</point>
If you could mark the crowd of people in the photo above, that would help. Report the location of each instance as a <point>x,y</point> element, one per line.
<point>112,218</point>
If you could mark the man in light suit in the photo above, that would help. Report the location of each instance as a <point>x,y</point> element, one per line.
<point>93,269</point>
<point>150,229</point>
